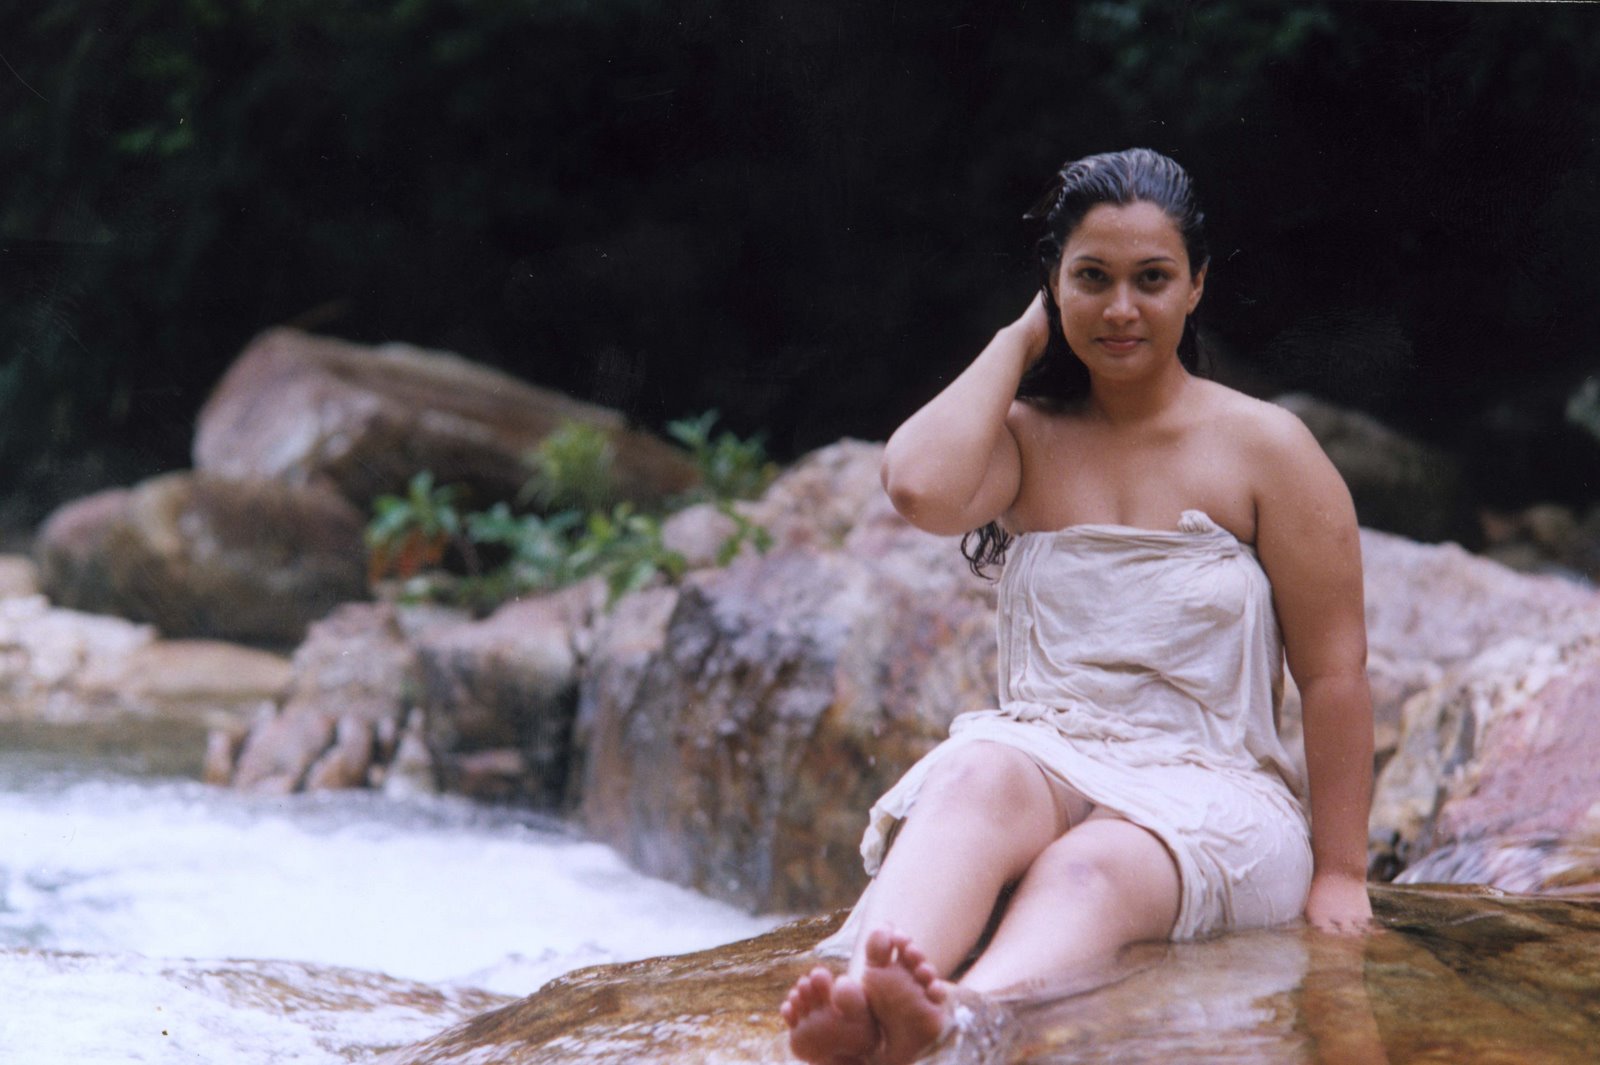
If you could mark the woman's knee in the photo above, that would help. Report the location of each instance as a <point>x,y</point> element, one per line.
<point>1112,859</point>
<point>991,779</point>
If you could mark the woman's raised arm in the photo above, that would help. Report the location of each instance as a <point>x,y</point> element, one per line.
<point>1309,545</point>
<point>954,464</point>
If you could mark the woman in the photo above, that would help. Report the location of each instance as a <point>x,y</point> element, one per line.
<point>1169,541</point>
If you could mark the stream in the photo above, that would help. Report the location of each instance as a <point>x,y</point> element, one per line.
<point>126,897</point>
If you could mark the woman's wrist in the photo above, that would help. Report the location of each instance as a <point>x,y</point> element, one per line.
<point>1021,342</point>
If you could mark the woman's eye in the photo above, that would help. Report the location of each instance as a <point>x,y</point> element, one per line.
<point>1091,275</point>
<point>1152,277</point>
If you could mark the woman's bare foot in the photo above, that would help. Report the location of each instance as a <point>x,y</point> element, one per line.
<point>828,1020</point>
<point>904,994</point>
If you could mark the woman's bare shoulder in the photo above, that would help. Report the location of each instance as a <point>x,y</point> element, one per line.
<point>1265,431</point>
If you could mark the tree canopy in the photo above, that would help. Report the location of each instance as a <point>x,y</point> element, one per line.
<point>805,215</point>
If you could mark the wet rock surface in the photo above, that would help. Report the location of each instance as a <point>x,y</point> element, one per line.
<point>210,1011</point>
<point>1455,976</point>
<point>1494,779</point>
<point>1432,607</point>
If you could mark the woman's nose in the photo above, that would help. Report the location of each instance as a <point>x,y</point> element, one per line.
<point>1120,308</point>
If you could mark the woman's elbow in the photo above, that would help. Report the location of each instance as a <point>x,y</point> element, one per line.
<point>931,511</point>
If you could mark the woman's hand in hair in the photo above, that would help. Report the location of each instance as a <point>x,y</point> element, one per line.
<point>1033,327</point>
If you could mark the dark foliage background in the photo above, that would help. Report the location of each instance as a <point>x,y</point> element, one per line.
<point>806,214</point>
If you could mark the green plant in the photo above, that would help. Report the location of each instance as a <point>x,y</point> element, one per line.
<point>730,468</point>
<point>410,533</point>
<point>744,531</point>
<point>539,548</point>
<point>626,548</point>
<point>572,470</point>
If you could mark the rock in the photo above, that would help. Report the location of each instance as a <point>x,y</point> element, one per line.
<point>1458,977</point>
<point>194,673</point>
<point>72,681</point>
<point>1399,485</point>
<point>195,555</point>
<point>355,678</point>
<point>312,410</point>
<point>136,1008</point>
<point>43,651</point>
<point>411,771</point>
<point>507,684</point>
<point>19,577</point>
<point>1546,538</point>
<point>820,499</point>
<point>813,504</point>
<point>1494,778</point>
<point>1431,607</point>
<point>409,698</point>
<point>733,733</point>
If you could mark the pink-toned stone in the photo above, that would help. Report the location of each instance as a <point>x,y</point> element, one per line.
<point>508,681</point>
<point>1494,755</point>
<point>345,763</point>
<point>313,410</point>
<point>735,742</point>
<point>276,755</point>
<point>203,556</point>
<point>356,666</point>
<point>497,775</point>
<point>1433,606</point>
<point>19,577</point>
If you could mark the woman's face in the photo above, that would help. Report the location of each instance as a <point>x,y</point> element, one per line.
<point>1124,289</point>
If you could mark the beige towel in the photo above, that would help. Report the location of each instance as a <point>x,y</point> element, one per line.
<point>1144,668</point>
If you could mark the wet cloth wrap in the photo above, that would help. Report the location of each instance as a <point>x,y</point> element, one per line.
<point>1144,669</point>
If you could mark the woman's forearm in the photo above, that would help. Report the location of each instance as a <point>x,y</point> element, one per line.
<point>936,462</point>
<point>1337,713</point>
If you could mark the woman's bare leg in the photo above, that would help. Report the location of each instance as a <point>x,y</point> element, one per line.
<point>980,820</point>
<point>1102,886</point>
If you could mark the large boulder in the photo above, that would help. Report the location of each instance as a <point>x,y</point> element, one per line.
<point>1399,485</point>
<point>1494,780</point>
<point>1457,977</point>
<point>203,556</point>
<point>312,410</point>
<point>734,731</point>
<point>1432,607</point>
<point>499,696</point>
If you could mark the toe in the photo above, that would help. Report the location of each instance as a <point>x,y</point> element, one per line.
<point>850,999</point>
<point>880,947</point>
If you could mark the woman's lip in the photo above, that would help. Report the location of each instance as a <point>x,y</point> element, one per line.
<point>1120,342</point>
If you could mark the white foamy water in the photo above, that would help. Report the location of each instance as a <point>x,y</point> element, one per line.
<point>120,885</point>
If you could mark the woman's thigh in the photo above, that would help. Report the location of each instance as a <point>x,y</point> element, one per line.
<point>1105,884</point>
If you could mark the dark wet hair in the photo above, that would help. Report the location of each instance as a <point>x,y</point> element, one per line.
<point>1059,378</point>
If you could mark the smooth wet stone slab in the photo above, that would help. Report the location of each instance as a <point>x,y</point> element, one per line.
<point>1455,976</point>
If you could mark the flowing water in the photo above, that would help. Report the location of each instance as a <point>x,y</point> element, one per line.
<point>125,900</point>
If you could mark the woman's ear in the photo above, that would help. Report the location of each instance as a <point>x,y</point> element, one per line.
<point>1199,287</point>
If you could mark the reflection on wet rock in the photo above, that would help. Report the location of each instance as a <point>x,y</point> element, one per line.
<point>1452,976</point>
